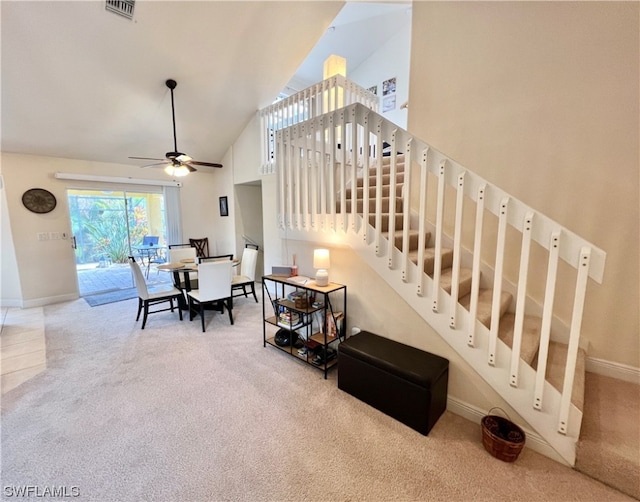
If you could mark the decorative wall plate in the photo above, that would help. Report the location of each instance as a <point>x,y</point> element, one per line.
<point>39,200</point>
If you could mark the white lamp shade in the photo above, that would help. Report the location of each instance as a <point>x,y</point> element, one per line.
<point>321,259</point>
<point>322,262</point>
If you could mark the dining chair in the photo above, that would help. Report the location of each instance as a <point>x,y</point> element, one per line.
<point>220,257</point>
<point>178,253</point>
<point>214,287</point>
<point>182,254</point>
<point>247,276</point>
<point>201,245</point>
<point>153,295</point>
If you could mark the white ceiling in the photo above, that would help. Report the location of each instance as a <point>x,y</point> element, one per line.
<point>80,82</point>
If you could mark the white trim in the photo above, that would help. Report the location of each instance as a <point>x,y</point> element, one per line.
<point>614,370</point>
<point>115,179</point>
<point>49,300</point>
<point>533,440</point>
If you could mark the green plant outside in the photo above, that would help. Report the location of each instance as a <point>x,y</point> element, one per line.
<point>105,233</point>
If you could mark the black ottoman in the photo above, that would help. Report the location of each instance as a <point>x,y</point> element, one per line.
<point>406,383</point>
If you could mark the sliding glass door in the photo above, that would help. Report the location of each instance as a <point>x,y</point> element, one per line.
<point>110,226</point>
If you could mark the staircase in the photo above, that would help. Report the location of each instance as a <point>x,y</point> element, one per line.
<point>557,354</point>
<point>446,240</point>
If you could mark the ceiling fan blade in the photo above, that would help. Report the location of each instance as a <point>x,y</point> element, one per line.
<point>144,158</point>
<point>208,164</point>
<point>191,168</point>
<point>157,164</point>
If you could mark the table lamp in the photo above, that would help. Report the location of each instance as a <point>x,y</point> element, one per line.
<point>322,262</point>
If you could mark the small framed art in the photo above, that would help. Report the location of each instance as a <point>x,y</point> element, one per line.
<point>224,207</point>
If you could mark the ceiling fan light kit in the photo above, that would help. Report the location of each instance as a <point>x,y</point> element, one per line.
<point>176,163</point>
<point>179,171</point>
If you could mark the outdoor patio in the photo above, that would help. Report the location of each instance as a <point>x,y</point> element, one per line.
<point>98,277</point>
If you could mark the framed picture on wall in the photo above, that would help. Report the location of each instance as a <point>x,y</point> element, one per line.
<point>224,207</point>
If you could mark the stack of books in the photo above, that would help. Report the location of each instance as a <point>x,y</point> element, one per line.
<point>288,319</point>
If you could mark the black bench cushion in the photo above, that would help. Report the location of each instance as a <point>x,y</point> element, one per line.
<point>414,365</point>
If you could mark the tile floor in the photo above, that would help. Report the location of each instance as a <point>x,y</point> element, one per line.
<point>22,340</point>
<point>22,346</point>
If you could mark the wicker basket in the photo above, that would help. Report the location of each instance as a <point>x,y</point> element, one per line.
<point>501,437</point>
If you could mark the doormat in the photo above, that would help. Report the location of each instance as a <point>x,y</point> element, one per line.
<point>111,297</point>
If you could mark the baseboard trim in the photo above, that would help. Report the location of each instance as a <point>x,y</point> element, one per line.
<point>11,302</point>
<point>614,370</point>
<point>49,300</point>
<point>534,441</point>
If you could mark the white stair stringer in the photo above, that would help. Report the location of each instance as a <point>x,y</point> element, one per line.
<point>543,422</point>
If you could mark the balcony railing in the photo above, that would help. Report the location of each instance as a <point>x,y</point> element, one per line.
<point>326,96</point>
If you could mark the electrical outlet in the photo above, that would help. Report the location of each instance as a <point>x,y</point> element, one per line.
<point>54,236</point>
<point>43,236</point>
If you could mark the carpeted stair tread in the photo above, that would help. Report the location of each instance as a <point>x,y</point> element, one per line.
<point>464,281</point>
<point>485,297</point>
<point>384,226</point>
<point>386,179</point>
<point>609,444</point>
<point>386,191</point>
<point>556,360</point>
<point>386,201</point>
<point>386,169</point>
<point>429,259</point>
<point>414,238</point>
<point>530,335</point>
<point>386,161</point>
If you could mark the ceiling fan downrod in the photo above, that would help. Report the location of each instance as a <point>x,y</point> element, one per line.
<point>172,84</point>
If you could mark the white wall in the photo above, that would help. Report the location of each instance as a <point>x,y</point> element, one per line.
<point>541,98</point>
<point>10,289</point>
<point>391,60</point>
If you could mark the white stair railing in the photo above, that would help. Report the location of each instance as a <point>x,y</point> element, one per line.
<point>326,96</point>
<point>326,154</point>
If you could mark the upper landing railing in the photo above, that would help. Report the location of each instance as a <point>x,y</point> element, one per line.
<point>326,96</point>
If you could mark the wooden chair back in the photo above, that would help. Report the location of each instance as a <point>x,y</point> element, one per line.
<point>201,245</point>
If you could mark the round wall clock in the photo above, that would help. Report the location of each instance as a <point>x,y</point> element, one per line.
<point>39,200</point>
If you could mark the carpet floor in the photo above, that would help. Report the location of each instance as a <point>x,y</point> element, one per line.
<point>170,413</point>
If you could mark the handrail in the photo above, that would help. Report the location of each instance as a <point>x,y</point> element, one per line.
<point>326,154</point>
<point>326,96</point>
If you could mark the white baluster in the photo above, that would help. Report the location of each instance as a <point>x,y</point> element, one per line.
<point>475,268</point>
<point>574,338</point>
<point>422,228</point>
<point>391,231</point>
<point>547,314</point>
<point>521,298</point>
<point>437,264</point>
<point>497,281</point>
<point>457,246</point>
<point>406,209</point>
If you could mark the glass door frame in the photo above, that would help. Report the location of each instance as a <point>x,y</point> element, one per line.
<point>103,266</point>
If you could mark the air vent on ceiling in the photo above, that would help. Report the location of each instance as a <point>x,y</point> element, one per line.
<point>122,7</point>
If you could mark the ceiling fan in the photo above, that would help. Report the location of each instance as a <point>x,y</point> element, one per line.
<point>176,163</point>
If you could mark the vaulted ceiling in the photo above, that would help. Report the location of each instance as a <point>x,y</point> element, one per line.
<point>81,82</point>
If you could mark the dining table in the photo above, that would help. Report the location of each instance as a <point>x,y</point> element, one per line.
<point>189,270</point>
<point>185,267</point>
